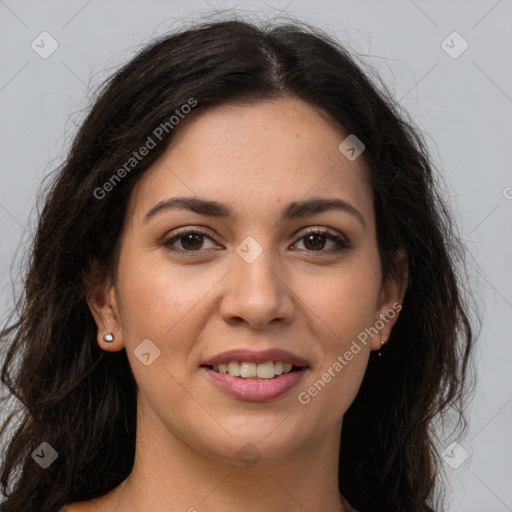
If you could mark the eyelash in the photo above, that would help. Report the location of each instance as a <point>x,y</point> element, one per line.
<point>341,242</point>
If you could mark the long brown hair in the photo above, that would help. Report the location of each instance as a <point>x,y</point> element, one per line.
<point>81,400</point>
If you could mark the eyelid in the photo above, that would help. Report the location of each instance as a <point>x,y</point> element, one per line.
<point>320,230</point>
<point>338,238</point>
<point>179,232</point>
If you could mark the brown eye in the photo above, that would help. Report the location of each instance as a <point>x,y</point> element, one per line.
<point>191,240</point>
<point>315,241</point>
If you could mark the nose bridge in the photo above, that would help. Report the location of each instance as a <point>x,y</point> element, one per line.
<point>257,293</point>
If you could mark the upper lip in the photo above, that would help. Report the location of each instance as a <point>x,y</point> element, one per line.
<point>253,356</point>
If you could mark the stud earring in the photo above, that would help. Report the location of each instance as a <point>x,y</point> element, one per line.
<point>109,338</point>
<point>381,345</point>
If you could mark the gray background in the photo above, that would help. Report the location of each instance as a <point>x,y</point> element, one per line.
<point>463,105</point>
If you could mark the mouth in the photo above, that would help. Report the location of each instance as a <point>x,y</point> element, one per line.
<point>255,375</point>
<point>251,371</point>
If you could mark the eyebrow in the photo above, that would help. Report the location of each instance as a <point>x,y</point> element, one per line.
<point>295,209</point>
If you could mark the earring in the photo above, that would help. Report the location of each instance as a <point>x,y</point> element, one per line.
<point>109,338</point>
<point>381,345</point>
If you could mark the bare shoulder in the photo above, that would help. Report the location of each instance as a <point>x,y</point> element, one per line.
<point>80,506</point>
<point>70,508</point>
<point>347,505</point>
<point>105,503</point>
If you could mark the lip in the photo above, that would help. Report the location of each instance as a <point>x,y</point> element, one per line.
<point>256,390</point>
<point>252,356</point>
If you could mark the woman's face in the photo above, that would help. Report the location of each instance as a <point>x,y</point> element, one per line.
<point>254,281</point>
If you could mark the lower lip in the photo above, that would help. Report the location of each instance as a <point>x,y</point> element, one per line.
<point>248,389</point>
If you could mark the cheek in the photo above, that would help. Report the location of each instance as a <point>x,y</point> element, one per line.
<point>161,305</point>
<point>158,298</point>
<point>332,388</point>
<point>341,305</point>
<point>344,299</point>
<point>169,307</point>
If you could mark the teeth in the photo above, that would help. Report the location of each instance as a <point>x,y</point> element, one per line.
<point>246,370</point>
<point>233,368</point>
<point>265,370</point>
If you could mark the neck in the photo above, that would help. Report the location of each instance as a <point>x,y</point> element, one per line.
<point>169,471</point>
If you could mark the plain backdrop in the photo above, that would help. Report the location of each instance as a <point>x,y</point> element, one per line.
<point>461,101</point>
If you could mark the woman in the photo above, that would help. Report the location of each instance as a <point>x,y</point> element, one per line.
<point>244,293</point>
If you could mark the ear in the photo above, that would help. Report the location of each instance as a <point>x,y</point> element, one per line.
<point>102,302</point>
<point>390,301</point>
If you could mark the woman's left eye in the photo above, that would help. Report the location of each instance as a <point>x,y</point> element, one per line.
<point>192,239</point>
<point>315,236</point>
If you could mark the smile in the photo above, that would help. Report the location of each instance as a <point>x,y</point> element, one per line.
<point>250,370</point>
<point>256,388</point>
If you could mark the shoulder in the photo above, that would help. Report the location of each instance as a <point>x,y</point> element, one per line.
<point>347,505</point>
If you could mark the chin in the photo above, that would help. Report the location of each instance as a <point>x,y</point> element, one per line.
<point>259,445</point>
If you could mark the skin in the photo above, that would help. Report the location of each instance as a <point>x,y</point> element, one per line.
<point>298,295</point>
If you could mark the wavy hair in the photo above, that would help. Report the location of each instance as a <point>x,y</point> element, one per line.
<point>71,394</point>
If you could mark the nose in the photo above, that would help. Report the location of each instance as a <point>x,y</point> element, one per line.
<point>257,293</point>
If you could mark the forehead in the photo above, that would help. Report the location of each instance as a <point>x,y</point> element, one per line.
<point>256,157</point>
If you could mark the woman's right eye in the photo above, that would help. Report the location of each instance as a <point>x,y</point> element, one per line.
<point>190,240</point>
